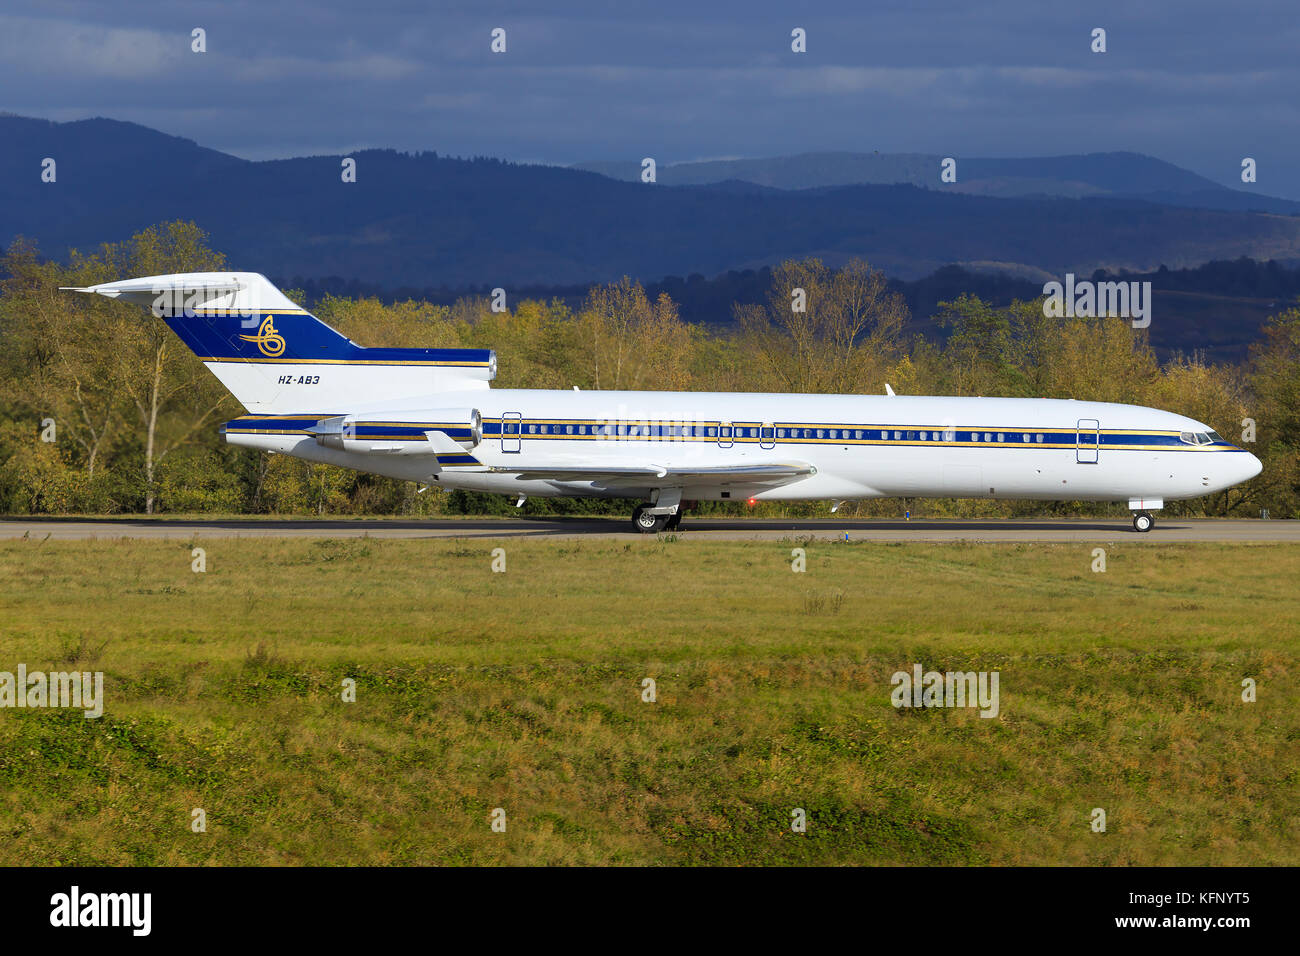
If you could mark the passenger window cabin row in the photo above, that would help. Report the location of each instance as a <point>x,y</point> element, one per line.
<point>792,434</point>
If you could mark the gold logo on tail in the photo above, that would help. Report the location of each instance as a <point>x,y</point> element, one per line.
<point>269,341</point>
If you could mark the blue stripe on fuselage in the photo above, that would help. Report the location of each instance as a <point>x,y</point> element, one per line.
<point>833,434</point>
<point>387,431</point>
<point>747,433</point>
<point>298,338</point>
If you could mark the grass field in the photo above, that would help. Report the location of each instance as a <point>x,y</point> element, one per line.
<point>523,690</point>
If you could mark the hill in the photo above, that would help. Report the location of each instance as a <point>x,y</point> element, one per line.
<point>1122,175</point>
<point>424,219</point>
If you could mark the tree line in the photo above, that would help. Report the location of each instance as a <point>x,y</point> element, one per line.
<point>103,410</point>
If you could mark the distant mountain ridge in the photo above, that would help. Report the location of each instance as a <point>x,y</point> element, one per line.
<point>1123,175</point>
<point>428,220</point>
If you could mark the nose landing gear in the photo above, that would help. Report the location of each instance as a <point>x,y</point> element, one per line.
<point>1141,508</point>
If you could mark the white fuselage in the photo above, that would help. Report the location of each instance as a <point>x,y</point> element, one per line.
<point>431,415</point>
<point>860,446</point>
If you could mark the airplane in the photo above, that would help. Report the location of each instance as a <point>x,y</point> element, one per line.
<point>431,416</point>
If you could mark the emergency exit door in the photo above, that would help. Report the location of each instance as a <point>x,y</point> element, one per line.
<point>511,431</point>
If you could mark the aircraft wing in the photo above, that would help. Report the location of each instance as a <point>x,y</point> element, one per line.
<point>667,476</point>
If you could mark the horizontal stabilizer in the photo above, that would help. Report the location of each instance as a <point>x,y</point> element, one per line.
<point>240,292</point>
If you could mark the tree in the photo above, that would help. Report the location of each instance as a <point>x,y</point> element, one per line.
<point>629,342</point>
<point>986,347</point>
<point>824,330</point>
<point>1275,382</point>
<point>55,366</point>
<point>170,392</point>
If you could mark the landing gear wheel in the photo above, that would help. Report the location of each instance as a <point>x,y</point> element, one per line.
<point>645,522</point>
<point>1142,521</point>
<point>674,521</point>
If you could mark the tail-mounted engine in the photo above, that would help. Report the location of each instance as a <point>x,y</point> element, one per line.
<point>399,432</point>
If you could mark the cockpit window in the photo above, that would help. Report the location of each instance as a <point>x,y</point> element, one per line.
<point>1187,437</point>
<point>1199,438</point>
<point>1215,436</point>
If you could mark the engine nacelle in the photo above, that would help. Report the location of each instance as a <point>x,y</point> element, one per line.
<point>399,432</point>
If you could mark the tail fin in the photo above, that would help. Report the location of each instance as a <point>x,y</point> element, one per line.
<point>276,357</point>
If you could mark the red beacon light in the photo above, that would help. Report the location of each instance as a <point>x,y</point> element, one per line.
<point>751,502</point>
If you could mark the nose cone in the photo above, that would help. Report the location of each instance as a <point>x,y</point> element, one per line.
<point>1251,467</point>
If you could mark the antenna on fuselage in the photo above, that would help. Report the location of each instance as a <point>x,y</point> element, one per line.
<point>889,391</point>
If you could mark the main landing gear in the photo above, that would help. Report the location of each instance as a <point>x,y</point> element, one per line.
<point>648,523</point>
<point>1143,521</point>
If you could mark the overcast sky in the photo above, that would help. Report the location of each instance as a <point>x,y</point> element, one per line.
<point>1199,84</point>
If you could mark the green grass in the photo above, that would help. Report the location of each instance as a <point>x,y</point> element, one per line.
<point>522,690</point>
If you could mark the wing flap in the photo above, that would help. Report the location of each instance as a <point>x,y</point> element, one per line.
<point>667,476</point>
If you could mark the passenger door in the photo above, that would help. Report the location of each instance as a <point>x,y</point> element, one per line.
<point>1087,441</point>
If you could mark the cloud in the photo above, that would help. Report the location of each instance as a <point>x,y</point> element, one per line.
<point>41,47</point>
<point>1194,82</point>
